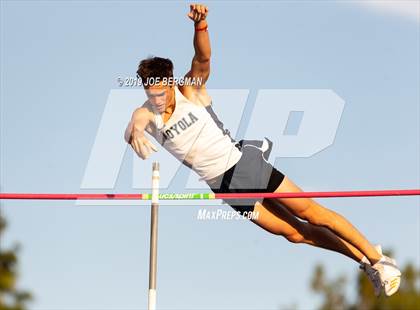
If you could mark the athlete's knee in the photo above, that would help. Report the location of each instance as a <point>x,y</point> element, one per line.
<point>318,215</point>
<point>307,211</point>
<point>295,238</point>
<point>289,234</point>
<point>292,236</point>
<point>300,235</point>
<point>276,231</point>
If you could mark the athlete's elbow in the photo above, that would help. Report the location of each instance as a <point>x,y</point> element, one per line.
<point>203,58</point>
<point>127,133</point>
<point>127,137</point>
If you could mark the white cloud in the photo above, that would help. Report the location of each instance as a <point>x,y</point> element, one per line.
<point>409,8</point>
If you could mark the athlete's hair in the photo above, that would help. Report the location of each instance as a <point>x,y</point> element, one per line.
<point>155,67</point>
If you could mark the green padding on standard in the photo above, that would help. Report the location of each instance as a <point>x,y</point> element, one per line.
<point>185,196</point>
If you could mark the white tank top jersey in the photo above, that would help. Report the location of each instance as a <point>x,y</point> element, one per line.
<point>193,137</point>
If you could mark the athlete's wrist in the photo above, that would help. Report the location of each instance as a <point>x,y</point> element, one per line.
<point>201,25</point>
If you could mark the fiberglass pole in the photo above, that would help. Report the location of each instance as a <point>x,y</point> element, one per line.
<point>153,237</point>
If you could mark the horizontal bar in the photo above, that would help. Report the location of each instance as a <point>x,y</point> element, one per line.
<point>70,196</point>
<point>371,193</point>
<point>210,196</point>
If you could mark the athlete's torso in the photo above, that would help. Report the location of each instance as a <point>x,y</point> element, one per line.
<point>192,135</point>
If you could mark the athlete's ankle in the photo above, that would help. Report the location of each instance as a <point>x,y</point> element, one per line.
<point>374,259</point>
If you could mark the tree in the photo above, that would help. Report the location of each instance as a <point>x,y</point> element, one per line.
<point>407,298</point>
<point>11,298</point>
<point>332,290</point>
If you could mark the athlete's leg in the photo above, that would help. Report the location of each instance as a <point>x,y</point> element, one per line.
<point>276,219</point>
<point>311,211</point>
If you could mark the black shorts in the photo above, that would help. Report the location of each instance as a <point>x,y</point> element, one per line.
<point>251,174</point>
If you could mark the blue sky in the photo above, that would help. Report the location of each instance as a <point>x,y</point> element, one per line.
<point>59,62</point>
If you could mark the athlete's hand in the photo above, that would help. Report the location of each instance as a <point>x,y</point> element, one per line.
<point>141,145</point>
<point>198,12</point>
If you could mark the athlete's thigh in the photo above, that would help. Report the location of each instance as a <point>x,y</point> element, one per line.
<point>274,218</point>
<point>298,206</point>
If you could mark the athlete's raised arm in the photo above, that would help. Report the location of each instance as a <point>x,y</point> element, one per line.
<point>200,67</point>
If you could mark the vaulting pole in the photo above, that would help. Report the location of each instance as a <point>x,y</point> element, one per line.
<point>153,236</point>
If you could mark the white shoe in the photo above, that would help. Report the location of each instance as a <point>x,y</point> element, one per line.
<point>389,273</point>
<point>384,274</point>
<point>374,278</point>
<point>372,274</point>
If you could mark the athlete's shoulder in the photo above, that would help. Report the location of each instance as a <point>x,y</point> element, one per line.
<point>197,95</point>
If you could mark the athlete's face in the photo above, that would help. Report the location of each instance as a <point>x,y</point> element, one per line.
<point>160,96</point>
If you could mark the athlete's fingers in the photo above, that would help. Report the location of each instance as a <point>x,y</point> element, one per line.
<point>192,9</point>
<point>202,9</point>
<point>138,147</point>
<point>144,151</point>
<point>191,15</point>
<point>133,143</point>
<point>145,148</point>
<point>151,146</point>
<point>135,146</point>
<point>197,12</point>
